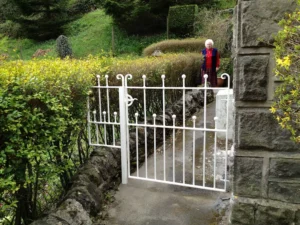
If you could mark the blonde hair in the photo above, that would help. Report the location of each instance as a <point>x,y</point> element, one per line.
<point>209,41</point>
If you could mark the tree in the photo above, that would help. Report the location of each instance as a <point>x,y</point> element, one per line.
<point>142,16</point>
<point>287,54</point>
<point>40,19</point>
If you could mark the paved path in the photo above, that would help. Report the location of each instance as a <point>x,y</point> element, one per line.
<point>147,203</point>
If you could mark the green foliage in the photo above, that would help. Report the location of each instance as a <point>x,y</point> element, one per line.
<point>218,27</point>
<point>141,16</point>
<point>174,45</point>
<point>10,29</point>
<point>40,19</point>
<point>286,107</point>
<point>42,114</point>
<point>78,7</point>
<point>63,47</point>
<point>225,4</point>
<point>226,66</point>
<point>181,20</point>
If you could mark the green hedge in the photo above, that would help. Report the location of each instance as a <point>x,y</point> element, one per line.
<point>174,45</point>
<point>172,65</point>
<point>181,20</point>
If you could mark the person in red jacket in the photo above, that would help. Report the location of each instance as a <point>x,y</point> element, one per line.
<point>211,63</point>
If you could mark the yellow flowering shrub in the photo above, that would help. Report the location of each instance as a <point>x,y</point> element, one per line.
<point>286,107</point>
<point>42,111</point>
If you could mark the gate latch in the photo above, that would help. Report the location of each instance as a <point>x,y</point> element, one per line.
<point>130,100</point>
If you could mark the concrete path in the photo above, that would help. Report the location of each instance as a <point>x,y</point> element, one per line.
<point>148,203</point>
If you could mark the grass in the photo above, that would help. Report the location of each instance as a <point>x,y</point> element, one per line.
<point>226,4</point>
<point>91,34</point>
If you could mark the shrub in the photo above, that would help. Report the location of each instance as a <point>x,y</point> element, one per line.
<point>286,106</point>
<point>40,20</point>
<point>181,20</point>
<point>226,66</point>
<point>79,7</point>
<point>10,29</point>
<point>172,65</point>
<point>174,45</point>
<point>213,25</point>
<point>42,111</point>
<point>62,47</point>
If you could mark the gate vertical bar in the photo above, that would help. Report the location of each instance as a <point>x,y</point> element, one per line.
<point>227,121</point>
<point>183,132</point>
<point>89,119</point>
<point>123,124</point>
<point>204,126</point>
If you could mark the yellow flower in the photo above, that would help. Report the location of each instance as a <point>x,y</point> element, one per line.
<point>272,109</point>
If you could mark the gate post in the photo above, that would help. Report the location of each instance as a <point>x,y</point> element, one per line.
<point>123,124</point>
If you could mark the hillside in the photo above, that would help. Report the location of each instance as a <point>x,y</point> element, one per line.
<point>91,34</point>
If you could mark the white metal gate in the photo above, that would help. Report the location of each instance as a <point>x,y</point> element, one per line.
<point>172,164</point>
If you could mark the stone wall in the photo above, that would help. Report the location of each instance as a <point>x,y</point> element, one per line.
<point>266,183</point>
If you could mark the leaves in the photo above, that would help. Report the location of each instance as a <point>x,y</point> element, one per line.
<point>42,109</point>
<point>286,107</point>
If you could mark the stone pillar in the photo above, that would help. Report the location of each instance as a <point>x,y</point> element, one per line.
<point>266,173</point>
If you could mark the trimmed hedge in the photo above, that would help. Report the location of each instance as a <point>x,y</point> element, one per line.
<point>174,45</point>
<point>172,65</point>
<point>181,20</point>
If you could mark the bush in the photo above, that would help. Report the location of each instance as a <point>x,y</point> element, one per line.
<point>80,7</point>
<point>214,25</point>
<point>40,20</point>
<point>10,29</point>
<point>181,20</point>
<point>42,111</point>
<point>62,47</point>
<point>168,46</point>
<point>286,107</point>
<point>226,66</point>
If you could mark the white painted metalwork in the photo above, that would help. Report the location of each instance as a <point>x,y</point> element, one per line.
<point>161,170</point>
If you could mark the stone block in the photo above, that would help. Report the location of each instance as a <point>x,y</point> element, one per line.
<point>242,214</point>
<point>258,129</point>
<point>259,20</point>
<point>285,168</point>
<point>283,191</point>
<point>275,216</point>
<point>248,176</point>
<point>253,78</point>
<point>297,218</point>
